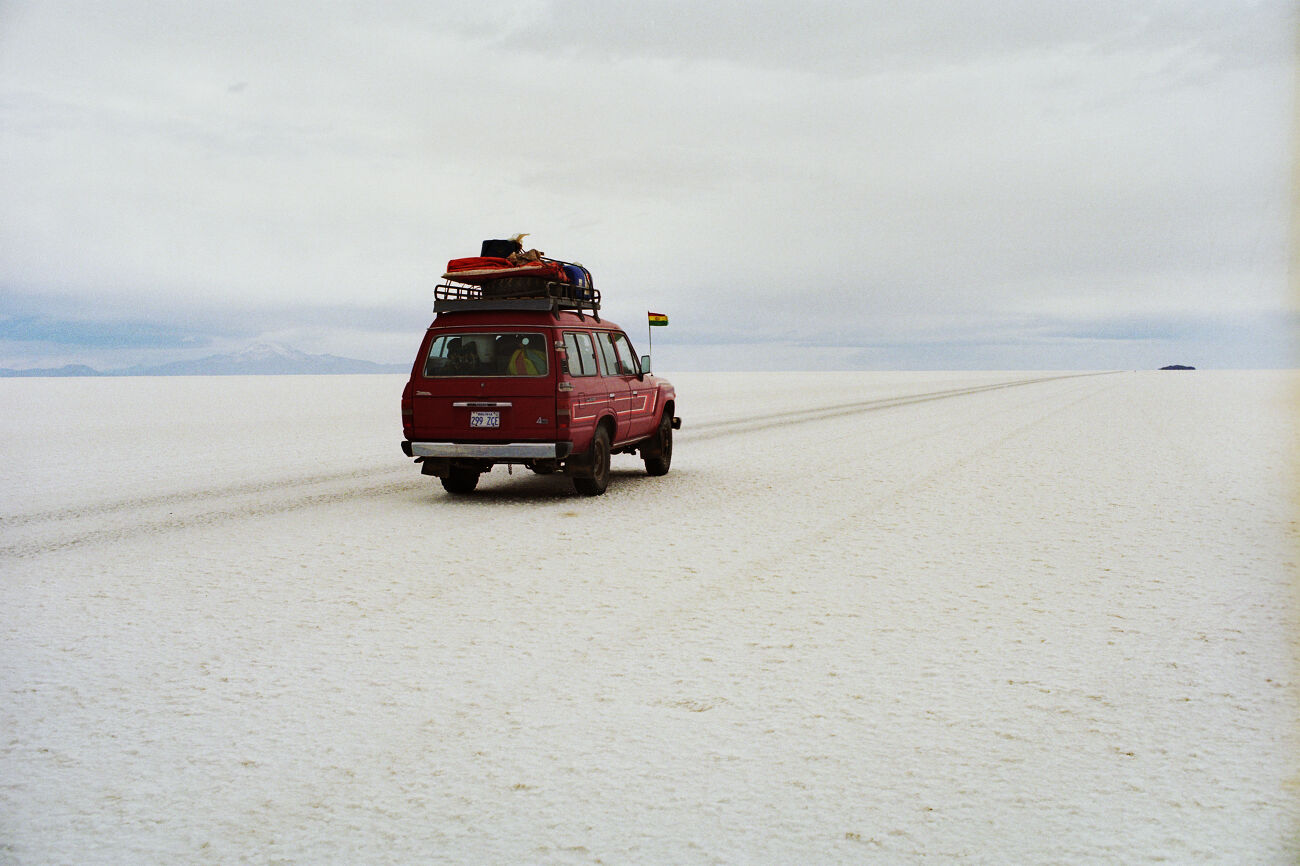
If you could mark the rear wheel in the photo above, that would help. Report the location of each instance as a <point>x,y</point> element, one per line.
<point>599,480</point>
<point>658,463</point>
<point>459,480</point>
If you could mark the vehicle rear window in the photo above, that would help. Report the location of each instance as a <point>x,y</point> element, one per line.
<point>493,353</point>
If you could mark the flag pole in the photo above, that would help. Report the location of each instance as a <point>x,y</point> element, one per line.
<point>650,336</point>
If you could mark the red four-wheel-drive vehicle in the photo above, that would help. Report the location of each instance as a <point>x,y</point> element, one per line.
<point>538,381</point>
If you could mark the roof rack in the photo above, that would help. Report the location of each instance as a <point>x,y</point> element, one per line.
<point>517,293</point>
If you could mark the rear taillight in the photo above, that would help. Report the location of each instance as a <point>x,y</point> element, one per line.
<point>563,399</point>
<point>408,408</point>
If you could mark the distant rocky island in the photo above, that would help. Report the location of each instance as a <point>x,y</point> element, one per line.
<point>261,359</point>
<point>1177,367</point>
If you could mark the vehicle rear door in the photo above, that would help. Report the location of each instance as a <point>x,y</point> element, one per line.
<point>588,393</point>
<point>486,385</point>
<point>617,378</point>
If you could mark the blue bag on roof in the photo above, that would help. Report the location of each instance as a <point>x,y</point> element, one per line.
<point>578,275</point>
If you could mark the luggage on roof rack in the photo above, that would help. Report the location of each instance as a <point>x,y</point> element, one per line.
<point>501,249</point>
<point>478,270</point>
<point>521,293</point>
<point>504,272</point>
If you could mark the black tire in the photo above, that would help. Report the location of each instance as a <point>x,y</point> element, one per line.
<point>663,457</point>
<point>460,481</point>
<point>599,480</point>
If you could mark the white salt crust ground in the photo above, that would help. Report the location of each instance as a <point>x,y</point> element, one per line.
<point>866,618</point>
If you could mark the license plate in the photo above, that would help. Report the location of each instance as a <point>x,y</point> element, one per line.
<point>485,419</point>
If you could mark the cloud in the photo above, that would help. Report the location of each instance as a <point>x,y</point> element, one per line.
<point>54,329</point>
<point>842,166</point>
<point>101,334</point>
<point>845,37</point>
<point>1242,342</point>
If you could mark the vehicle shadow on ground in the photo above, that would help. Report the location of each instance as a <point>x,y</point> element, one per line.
<point>498,488</point>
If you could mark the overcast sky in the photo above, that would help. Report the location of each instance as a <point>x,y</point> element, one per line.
<point>924,185</point>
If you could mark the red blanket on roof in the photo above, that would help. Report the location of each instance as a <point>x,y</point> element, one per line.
<point>480,269</point>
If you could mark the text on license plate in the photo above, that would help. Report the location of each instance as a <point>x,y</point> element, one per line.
<point>485,419</point>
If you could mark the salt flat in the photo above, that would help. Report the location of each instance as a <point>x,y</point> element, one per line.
<point>868,617</point>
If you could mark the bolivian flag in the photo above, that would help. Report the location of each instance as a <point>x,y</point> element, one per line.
<point>657,318</point>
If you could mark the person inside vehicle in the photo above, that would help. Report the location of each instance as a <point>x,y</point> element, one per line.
<point>526,359</point>
<point>466,361</point>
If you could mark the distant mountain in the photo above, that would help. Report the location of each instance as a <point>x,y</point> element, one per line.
<point>260,359</point>
<point>66,370</point>
<point>265,359</point>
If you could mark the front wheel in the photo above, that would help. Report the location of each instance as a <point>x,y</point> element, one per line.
<point>599,480</point>
<point>662,456</point>
<point>459,480</point>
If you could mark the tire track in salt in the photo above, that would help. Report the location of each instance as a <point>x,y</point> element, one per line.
<point>214,513</point>
<point>780,557</point>
<point>731,426</point>
<point>56,530</point>
<point>185,497</point>
<point>899,492</point>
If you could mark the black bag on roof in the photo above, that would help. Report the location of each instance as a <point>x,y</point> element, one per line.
<point>499,249</point>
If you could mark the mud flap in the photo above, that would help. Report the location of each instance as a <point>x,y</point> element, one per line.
<point>438,466</point>
<point>579,466</point>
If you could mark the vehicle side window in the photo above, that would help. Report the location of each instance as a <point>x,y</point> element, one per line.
<point>628,365</point>
<point>608,357</point>
<point>581,353</point>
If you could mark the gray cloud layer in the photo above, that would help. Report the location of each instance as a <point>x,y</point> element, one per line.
<point>845,173</point>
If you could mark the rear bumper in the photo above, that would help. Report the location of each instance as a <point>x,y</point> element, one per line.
<point>499,452</point>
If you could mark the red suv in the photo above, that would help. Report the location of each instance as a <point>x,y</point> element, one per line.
<point>531,381</point>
